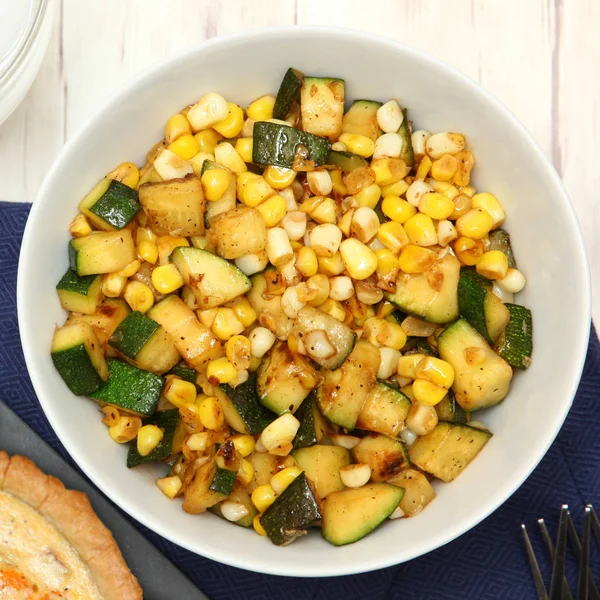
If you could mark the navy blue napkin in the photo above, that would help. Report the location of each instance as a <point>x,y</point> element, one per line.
<point>486,563</point>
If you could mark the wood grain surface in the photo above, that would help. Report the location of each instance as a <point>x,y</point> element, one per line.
<point>539,57</point>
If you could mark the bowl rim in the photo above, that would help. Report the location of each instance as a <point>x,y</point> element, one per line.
<point>367,563</point>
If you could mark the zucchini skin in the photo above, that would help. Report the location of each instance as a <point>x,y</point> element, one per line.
<point>167,420</point>
<point>289,91</point>
<point>77,370</point>
<point>118,205</point>
<point>515,345</point>
<point>132,333</point>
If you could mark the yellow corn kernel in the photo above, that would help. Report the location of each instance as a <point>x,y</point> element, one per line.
<point>466,162</point>
<point>306,261</point>
<point>148,438</point>
<point>244,312</point>
<point>436,206</point>
<point>232,124</point>
<point>436,371</point>
<point>279,177</point>
<point>220,371</point>
<point>393,236</point>
<point>397,209</point>
<point>148,251</point>
<point>257,526</point>
<point>166,279</point>
<point>338,184</point>
<point>131,269</point>
<point>177,126</point>
<point>261,109</point>
<point>111,415</point>
<point>407,365</point>
<point>416,259</point>
<point>391,335</point>
<point>387,262</point>
<point>273,209</point>
<point>280,481</point>
<point>178,391</point>
<point>330,265</point>
<point>201,441</point>
<point>444,168</point>
<point>125,429</point>
<point>206,317</point>
<point>239,350</point>
<point>359,259</point>
<point>421,230</point>
<point>369,196</point>
<point>423,169</point>
<point>490,204</point>
<point>207,140</point>
<point>324,212</point>
<point>462,205</point>
<point>139,296</point>
<point>358,144</point>
<point>475,224</point>
<point>113,285</point>
<point>166,244</point>
<point>80,226</point>
<point>443,187</point>
<point>469,190</point>
<point>143,234</point>
<point>263,496</point>
<point>243,147</point>
<point>211,413</point>
<point>493,265</point>
<point>190,417</point>
<point>389,170</point>
<point>127,173</point>
<point>197,162</point>
<point>255,191</point>
<point>397,188</point>
<point>428,393</point>
<point>468,251</point>
<point>242,180</point>
<point>245,473</point>
<point>333,308</point>
<point>407,390</point>
<point>226,324</point>
<point>385,309</point>
<point>215,183</point>
<point>243,443</point>
<point>170,486</point>
<point>185,146</point>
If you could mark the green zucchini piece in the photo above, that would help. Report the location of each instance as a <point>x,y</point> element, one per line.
<point>471,274</point>
<point>79,294</point>
<point>269,311</point>
<point>312,424</point>
<point>385,456</point>
<point>384,411</point>
<point>482,309</point>
<point>289,91</point>
<point>223,481</point>
<point>227,200</point>
<point>451,411</point>
<point>515,344</point>
<point>448,449</point>
<point>351,514</point>
<point>418,492</point>
<point>361,118</point>
<point>184,372</point>
<point>241,495</point>
<point>340,335</point>
<point>244,400</point>
<point>431,295</point>
<point>418,345</point>
<point>345,390</point>
<point>284,146</point>
<point>145,342</point>
<point>322,106</point>
<point>405,132</point>
<point>130,389</point>
<point>101,252</point>
<point>322,465</point>
<point>345,161</point>
<point>106,319</point>
<point>168,421</point>
<point>111,205</point>
<point>213,279</point>
<point>500,240</point>
<point>292,513</point>
<point>482,378</point>
<point>284,379</point>
<point>78,358</point>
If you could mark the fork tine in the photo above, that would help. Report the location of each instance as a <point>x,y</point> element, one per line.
<point>550,549</point>
<point>584,558</point>
<point>592,590</point>
<point>558,568</point>
<point>538,580</point>
<point>595,524</point>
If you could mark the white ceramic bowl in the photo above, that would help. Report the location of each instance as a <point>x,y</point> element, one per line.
<point>546,237</point>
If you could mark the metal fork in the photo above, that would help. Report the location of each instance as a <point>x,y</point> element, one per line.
<point>559,586</point>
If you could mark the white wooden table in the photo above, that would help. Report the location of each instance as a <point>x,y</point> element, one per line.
<point>539,57</point>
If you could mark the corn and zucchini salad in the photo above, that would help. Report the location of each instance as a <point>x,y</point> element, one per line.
<point>296,308</point>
